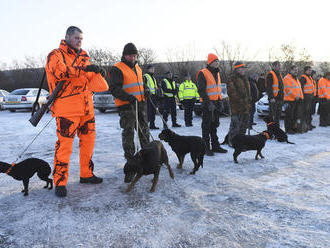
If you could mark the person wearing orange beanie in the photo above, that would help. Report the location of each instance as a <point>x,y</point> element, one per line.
<point>209,89</point>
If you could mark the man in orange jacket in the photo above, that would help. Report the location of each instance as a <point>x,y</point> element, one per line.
<point>73,107</point>
<point>126,85</point>
<point>324,100</point>
<point>293,98</point>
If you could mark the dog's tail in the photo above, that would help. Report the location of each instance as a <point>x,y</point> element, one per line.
<point>290,142</point>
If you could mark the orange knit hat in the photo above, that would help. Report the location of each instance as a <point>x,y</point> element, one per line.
<point>211,57</point>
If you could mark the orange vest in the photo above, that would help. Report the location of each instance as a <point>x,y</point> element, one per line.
<point>324,88</point>
<point>309,87</point>
<point>275,85</point>
<point>76,98</point>
<point>132,83</point>
<point>292,88</point>
<point>213,89</point>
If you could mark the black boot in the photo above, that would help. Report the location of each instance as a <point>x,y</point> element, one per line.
<point>152,126</point>
<point>93,180</point>
<point>176,125</point>
<point>60,191</point>
<point>219,149</point>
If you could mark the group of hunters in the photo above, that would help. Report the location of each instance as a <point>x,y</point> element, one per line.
<point>138,98</point>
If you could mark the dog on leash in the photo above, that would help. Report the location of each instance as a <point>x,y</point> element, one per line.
<point>275,129</point>
<point>242,143</point>
<point>182,145</point>
<point>24,170</point>
<point>145,162</point>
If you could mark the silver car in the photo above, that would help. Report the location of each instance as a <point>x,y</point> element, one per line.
<point>24,99</point>
<point>3,94</point>
<point>263,107</point>
<point>104,101</point>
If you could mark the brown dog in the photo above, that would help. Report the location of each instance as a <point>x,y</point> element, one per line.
<point>145,162</point>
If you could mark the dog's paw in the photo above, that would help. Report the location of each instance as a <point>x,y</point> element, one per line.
<point>46,187</point>
<point>192,172</point>
<point>26,194</point>
<point>152,190</point>
<point>179,166</point>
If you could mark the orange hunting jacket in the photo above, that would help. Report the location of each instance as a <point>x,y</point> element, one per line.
<point>76,97</point>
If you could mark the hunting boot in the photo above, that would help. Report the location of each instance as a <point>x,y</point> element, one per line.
<point>208,151</point>
<point>218,149</point>
<point>93,179</point>
<point>60,191</point>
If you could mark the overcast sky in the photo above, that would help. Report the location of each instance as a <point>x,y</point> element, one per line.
<point>34,28</point>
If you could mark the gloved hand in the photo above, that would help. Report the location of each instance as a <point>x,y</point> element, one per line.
<point>92,68</point>
<point>272,100</point>
<point>132,100</point>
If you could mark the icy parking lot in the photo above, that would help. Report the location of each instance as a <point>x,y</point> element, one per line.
<point>280,201</point>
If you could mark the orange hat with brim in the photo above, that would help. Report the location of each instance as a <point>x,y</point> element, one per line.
<point>211,57</point>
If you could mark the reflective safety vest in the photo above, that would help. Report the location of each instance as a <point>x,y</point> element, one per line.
<point>292,88</point>
<point>213,89</point>
<point>309,87</point>
<point>275,85</point>
<point>132,83</point>
<point>170,86</point>
<point>188,90</point>
<point>151,82</point>
<point>324,88</point>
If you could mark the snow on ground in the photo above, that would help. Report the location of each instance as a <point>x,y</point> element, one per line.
<point>280,201</point>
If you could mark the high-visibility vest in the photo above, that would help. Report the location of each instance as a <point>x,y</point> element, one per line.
<point>324,88</point>
<point>132,83</point>
<point>188,90</point>
<point>309,86</point>
<point>170,86</point>
<point>292,88</point>
<point>213,89</point>
<point>275,85</point>
<point>151,82</point>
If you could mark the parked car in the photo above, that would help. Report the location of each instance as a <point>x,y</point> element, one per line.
<point>3,94</point>
<point>24,99</point>
<point>104,101</point>
<point>263,107</point>
<point>226,108</point>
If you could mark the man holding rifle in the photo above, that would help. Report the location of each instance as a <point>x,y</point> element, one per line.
<point>73,107</point>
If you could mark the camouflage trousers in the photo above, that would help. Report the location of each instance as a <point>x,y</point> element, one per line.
<point>128,124</point>
<point>238,125</point>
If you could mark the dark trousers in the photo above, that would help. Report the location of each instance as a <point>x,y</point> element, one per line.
<point>294,116</point>
<point>275,110</point>
<point>128,124</point>
<point>238,125</point>
<point>210,123</point>
<point>151,108</point>
<point>324,112</point>
<point>307,110</point>
<point>188,105</point>
<point>169,107</point>
<point>252,112</point>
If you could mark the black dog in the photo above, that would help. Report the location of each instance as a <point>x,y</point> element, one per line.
<point>145,162</point>
<point>182,145</point>
<point>275,129</point>
<point>243,143</point>
<point>26,169</point>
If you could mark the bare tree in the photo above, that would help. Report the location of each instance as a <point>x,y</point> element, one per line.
<point>146,57</point>
<point>102,57</point>
<point>324,67</point>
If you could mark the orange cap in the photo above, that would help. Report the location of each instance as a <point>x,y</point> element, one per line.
<point>211,57</point>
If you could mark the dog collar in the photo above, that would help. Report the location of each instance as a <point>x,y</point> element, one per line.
<point>10,168</point>
<point>270,123</point>
<point>266,134</point>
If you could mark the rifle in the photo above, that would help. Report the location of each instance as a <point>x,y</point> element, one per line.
<point>34,106</point>
<point>36,117</point>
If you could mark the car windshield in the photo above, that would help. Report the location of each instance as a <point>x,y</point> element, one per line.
<point>19,92</point>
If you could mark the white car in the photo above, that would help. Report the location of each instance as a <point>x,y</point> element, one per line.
<point>3,94</point>
<point>104,101</point>
<point>24,99</point>
<point>263,107</point>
